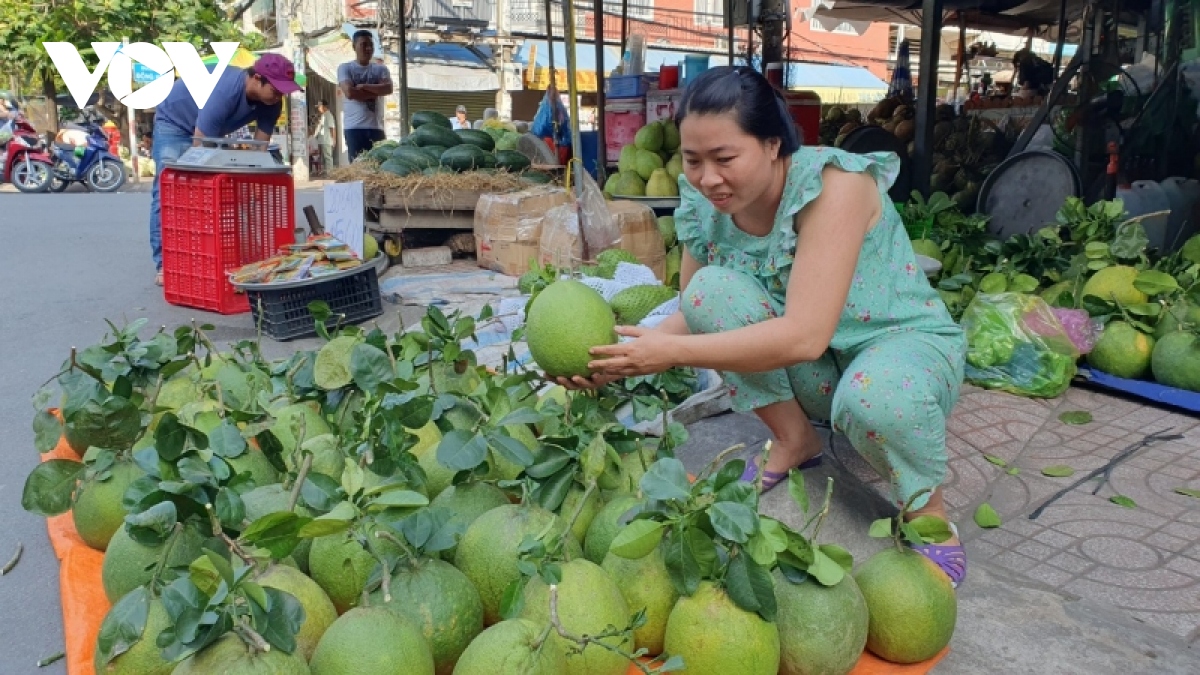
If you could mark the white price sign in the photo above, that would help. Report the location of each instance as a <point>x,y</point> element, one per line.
<point>344,214</point>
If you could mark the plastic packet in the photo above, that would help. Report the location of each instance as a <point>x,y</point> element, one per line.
<point>1083,330</point>
<point>600,230</point>
<point>1017,344</point>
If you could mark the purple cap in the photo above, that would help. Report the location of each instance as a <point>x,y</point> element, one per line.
<point>279,72</point>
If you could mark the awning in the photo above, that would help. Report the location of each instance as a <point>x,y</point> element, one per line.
<point>537,68</point>
<point>836,84</point>
<point>436,67</point>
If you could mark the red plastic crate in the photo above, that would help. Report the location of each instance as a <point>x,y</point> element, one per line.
<point>213,223</point>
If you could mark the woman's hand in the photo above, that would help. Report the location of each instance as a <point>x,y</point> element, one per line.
<point>651,352</point>
<point>577,383</point>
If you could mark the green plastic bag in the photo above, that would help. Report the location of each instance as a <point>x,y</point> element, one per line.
<point>1016,344</point>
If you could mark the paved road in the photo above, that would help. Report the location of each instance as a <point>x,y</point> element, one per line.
<point>71,261</point>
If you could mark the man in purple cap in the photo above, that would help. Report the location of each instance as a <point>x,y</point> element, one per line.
<point>239,97</point>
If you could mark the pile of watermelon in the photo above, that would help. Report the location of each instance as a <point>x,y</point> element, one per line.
<point>434,147</point>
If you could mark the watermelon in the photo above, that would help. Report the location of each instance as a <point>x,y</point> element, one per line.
<point>477,138</point>
<point>511,160</point>
<point>423,117</point>
<point>432,134</point>
<point>466,157</point>
<point>397,167</point>
<point>535,177</point>
<point>415,156</point>
<point>434,151</point>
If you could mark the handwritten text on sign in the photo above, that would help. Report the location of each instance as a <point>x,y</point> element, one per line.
<point>344,213</point>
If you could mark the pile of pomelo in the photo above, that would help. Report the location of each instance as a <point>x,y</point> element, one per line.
<point>381,504</point>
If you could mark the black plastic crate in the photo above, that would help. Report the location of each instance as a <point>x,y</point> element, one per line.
<point>284,312</point>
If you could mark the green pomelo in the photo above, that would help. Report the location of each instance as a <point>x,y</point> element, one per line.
<point>144,657</point>
<point>511,648</point>
<point>314,424</point>
<point>590,507</point>
<point>565,321</point>
<point>488,550</point>
<point>319,612</point>
<point>666,227</point>
<point>628,159</point>
<point>341,566</point>
<point>331,370</point>
<point>1115,281</point>
<point>1059,295</point>
<point>274,498</point>
<point>1169,320</point>
<point>588,602</point>
<point>629,184</point>
<point>97,511</point>
<point>646,584</point>
<point>1122,350</point>
<point>822,629</point>
<point>604,527</point>
<point>230,656</point>
<point>240,387</point>
<point>178,392</point>
<point>911,604</point>
<point>646,164</point>
<point>328,458</point>
<point>128,564</point>
<point>372,640</point>
<point>670,134</point>
<point>649,137</point>
<point>467,502</point>
<point>446,380</point>
<point>660,185</point>
<point>716,637</point>
<point>254,462</point>
<point>370,247</point>
<point>442,602</point>
<point>1176,361</point>
<point>675,168</point>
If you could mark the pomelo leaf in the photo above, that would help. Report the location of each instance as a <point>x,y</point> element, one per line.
<point>353,477</point>
<point>280,623</point>
<point>1075,417</point>
<point>740,492</point>
<point>1013,471</point>
<point>551,493</point>
<point>370,366</point>
<point>230,509</point>
<point>1058,471</point>
<point>170,437</point>
<point>520,416</point>
<point>1154,282</point>
<point>553,461</point>
<point>47,430</point>
<point>49,487</point>
<point>320,492</point>
<point>673,664</point>
<point>750,587</point>
<point>637,539</point>
<point>881,528</point>
<point>513,600</point>
<point>797,491</point>
<point>986,516</point>
<point>733,521</point>
<point>462,450</point>
<point>123,625</point>
<point>225,440</point>
<point>276,532</point>
<point>689,555</point>
<point>1188,492</point>
<point>1121,500</point>
<point>154,525</point>
<point>203,573</point>
<point>932,529</point>
<point>826,570</point>
<point>400,499</point>
<point>996,460</point>
<point>728,474</point>
<point>594,458</point>
<point>666,481</point>
<point>839,555</point>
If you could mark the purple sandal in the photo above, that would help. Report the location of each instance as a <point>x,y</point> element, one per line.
<point>773,478</point>
<point>951,559</point>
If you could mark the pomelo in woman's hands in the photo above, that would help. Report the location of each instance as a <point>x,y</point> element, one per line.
<point>565,321</point>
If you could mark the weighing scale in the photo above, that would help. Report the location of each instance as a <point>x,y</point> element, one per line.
<point>225,158</point>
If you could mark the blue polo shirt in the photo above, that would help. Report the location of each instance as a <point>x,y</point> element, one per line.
<point>226,110</point>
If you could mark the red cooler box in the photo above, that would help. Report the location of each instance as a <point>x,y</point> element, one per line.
<point>622,119</point>
<point>805,107</point>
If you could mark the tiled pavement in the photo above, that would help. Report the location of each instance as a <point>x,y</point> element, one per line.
<point>1142,561</point>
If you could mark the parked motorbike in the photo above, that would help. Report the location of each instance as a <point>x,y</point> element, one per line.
<point>91,164</point>
<point>23,157</point>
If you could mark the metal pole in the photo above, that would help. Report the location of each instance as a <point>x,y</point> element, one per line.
<point>550,41</point>
<point>624,24</point>
<point>572,82</point>
<point>402,90</point>
<point>729,25</point>
<point>1062,35</point>
<point>931,35</point>
<point>773,14</point>
<point>133,149</point>
<point>601,141</point>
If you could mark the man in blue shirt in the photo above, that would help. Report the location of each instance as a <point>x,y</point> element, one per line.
<point>239,97</point>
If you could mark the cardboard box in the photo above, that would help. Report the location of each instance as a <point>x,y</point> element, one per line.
<point>508,227</point>
<point>562,247</point>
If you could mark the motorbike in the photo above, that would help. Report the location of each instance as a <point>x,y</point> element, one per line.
<point>23,158</point>
<point>91,164</point>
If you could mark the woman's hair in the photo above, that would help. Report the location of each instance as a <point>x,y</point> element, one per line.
<point>756,105</point>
